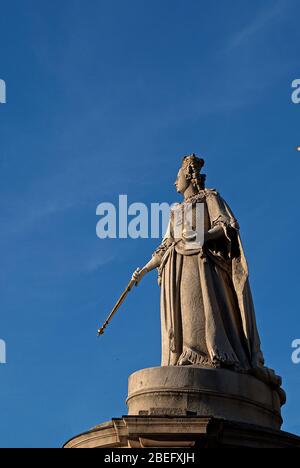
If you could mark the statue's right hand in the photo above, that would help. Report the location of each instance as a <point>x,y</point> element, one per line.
<point>138,275</point>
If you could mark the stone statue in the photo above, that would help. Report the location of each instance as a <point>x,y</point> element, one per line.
<point>212,388</point>
<point>207,311</point>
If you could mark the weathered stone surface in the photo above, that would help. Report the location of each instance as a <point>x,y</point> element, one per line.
<point>194,391</point>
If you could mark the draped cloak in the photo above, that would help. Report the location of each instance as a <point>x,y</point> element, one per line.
<point>207,312</point>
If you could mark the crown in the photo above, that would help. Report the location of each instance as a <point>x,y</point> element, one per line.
<point>193,160</point>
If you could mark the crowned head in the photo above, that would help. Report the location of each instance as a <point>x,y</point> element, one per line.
<point>189,179</point>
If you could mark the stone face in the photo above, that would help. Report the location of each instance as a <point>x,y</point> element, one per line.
<point>181,432</point>
<point>195,391</point>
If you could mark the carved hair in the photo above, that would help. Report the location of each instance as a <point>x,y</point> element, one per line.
<point>192,167</point>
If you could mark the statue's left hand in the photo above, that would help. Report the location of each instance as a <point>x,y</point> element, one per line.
<point>214,234</point>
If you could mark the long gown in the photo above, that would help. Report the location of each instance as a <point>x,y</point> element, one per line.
<point>207,312</point>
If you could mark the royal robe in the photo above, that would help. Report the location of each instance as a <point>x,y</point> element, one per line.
<point>207,312</point>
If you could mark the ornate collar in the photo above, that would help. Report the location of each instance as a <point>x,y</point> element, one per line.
<point>195,198</point>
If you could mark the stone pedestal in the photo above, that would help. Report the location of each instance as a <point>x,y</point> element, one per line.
<point>193,407</point>
<point>196,391</point>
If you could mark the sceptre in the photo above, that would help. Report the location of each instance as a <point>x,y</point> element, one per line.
<point>132,283</point>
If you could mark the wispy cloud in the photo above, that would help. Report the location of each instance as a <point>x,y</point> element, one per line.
<point>23,220</point>
<point>266,18</point>
<point>96,263</point>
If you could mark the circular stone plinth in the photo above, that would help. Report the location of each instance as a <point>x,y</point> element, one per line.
<point>196,391</point>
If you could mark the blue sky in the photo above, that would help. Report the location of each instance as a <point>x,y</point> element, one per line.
<point>104,98</point>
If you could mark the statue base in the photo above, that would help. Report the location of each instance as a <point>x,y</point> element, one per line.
<point>196,391</point>
<point>194,407</point>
